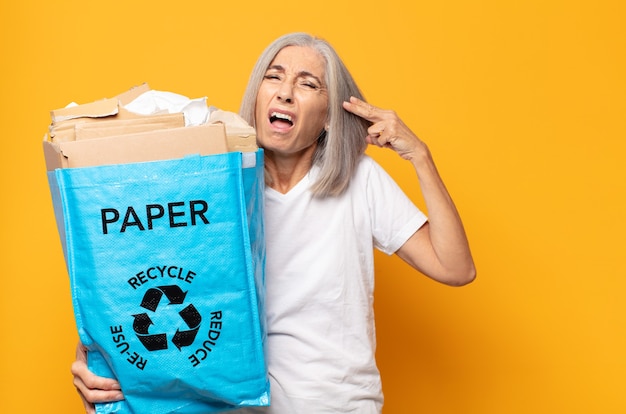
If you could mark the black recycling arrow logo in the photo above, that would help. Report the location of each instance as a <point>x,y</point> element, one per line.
<point>158,341</point>
<point>192,318</point>
<point>151,342</point>
<point>153,296</point>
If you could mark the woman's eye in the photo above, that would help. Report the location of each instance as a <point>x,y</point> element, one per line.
<point>271,77</point>
<point>308,85</point>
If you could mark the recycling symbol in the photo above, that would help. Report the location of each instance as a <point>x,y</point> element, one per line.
<point>189,315</point>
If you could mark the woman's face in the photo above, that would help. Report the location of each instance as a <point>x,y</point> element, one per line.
<point>292,102</point>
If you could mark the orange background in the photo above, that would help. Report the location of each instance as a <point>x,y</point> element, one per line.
<point>522,104</point>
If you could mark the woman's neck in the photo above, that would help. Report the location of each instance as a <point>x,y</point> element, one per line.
<point>286,170</point>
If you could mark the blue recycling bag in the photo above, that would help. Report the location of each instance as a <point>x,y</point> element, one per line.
<point>166,264</point>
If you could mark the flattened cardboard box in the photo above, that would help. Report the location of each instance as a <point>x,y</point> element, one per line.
<point>65,119</point>
<point>109,128</point>
<point>145,146</point>
<point>108,118</point>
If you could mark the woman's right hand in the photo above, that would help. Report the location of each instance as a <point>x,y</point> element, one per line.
<point>92,388</point>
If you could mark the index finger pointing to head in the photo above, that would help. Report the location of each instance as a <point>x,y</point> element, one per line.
<point>362,109</point>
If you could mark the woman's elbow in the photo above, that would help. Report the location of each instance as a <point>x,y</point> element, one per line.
<point>451,277</point>
<point>461,277</point>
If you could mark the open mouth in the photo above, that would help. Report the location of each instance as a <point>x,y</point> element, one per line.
<point>280,119</point>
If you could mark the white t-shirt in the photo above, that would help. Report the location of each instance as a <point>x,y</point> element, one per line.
<point>320,286</point>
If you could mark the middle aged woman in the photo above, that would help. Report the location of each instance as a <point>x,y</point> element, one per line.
<point>327,207</point>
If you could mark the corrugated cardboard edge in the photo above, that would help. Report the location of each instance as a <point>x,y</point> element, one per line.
<point>100,108</point>
<point>130,95</point>
<point>141,147</point>
<point>65,130</point>
<point>97,109</point>
<point>52,154</point>
<point>241,136</point>
<point>106,127</point>
<point>241,142</point>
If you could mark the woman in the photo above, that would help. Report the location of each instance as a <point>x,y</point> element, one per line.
<point>327,207</point>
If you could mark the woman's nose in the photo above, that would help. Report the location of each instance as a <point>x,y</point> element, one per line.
<point>285,92</point>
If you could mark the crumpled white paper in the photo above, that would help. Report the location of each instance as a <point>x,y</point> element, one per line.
<point>153,102</point>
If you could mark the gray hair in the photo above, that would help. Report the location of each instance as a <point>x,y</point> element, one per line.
<point>339,149</point>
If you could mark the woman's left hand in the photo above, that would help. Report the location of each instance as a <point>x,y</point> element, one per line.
<point>387,130</point>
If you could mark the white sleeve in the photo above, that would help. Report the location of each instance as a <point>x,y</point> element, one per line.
<point>393,215</point>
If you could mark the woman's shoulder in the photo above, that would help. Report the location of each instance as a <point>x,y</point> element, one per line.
<point>369,176</point>
<point>367,160</point>
<point>368,166</point>
<point>366,163</point>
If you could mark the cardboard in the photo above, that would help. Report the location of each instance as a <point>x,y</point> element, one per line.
<point>108,128</point>
<point>66,130</point>
<point>130,95</point>
<point>100,108</point>
<point>240,135</point>
<point>241,141</point>
<point>97,109</point>
<point>65,119</point>
<point>140,147</point>
<point>104,132</point>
